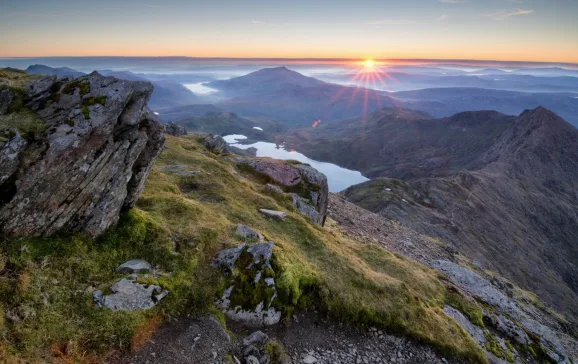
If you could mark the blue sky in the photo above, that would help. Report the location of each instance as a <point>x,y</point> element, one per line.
<point>538,30</point>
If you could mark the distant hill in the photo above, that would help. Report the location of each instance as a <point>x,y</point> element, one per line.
<point>515,210</point>
<point>401,143</point>
<point>223,123</point>
<point>39,69</point>
<point>286,95</point>
<point>179,113</point>
<point>448,101</point>
<point>265,81</point>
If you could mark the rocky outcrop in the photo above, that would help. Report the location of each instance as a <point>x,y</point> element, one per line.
<point>308,187</point>
<point>97,147</point>
<point>175,129</point>
<point>505,317</point>
<point>251,291</point>
<point>216,144</point>
<point>129,295</point>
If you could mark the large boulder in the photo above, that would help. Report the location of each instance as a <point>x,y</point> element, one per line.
<point>175,129</point>
<point>91,160</point>
<point>308,186</point>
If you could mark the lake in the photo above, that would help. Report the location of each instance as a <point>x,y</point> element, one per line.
<point>338,178</point>
<point>200,88</point>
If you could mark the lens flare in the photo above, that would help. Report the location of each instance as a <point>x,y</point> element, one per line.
<point>369,63</point>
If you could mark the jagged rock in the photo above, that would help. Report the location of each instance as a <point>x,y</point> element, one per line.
<point>252,263</point>
<point>226,259</point>
<point>9,153</point>
<point>175,129</point>
<point>311,183</point>
<point>274,214</point>
<point>478,286</point>
<point>134,266</point>
<point>309,359</point>
<point>216,144</point>
<point>475,332</point>
<point>98,149</point>
<point>129,296</point>
<point>6,98</point>
<point>304,207</point>
<point>248,233</point>
<point>256,337</point>
<point>509,329</point>
<point>251,360</point>
<point>273,188</point>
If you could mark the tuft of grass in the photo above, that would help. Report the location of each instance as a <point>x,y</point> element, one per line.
<point>276,352</point>
<point>81,84</point>
<point>469,308</point>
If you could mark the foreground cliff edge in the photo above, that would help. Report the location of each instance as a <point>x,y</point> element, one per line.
<point>196,196</point>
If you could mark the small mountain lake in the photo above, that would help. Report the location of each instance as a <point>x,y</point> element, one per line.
<point>338,178</point>
<point>200,88</point>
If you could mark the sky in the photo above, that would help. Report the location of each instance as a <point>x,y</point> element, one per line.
<point>517,30</point>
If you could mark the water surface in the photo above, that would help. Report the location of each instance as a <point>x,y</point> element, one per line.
<point>338,178</point>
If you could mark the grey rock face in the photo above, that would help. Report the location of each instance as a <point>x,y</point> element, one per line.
<point>5,99</point>
<point>9,153</point>
<point>248,233</point>
<point>478,286</point>
<point>129,296</point>
<point>175,129</point>
<point>134,266</point>
<point>257,270</point>
<point>475,332</point>
<point>274,214</point>
<point>304,207</point>
<point>216,144</point>
<point>99,148</point>
<point>509,329</point>
<point>273,188</point>
<point>256,337</point>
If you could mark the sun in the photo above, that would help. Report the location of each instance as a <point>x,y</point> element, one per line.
<point>369,64</point>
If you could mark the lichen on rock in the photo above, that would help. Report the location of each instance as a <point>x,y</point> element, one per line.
<point>308,187</point>
<point>251,289</point>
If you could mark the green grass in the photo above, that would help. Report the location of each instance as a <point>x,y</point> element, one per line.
<point>27,122</point>
<point>467,307</point>
<point>179,224</point>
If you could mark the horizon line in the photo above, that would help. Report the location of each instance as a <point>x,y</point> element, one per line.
<point>312,59</point>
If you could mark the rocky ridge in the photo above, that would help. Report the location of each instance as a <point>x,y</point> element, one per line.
<point>94,148</point>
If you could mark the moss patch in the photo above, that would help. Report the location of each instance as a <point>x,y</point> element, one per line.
<point>470,309</point>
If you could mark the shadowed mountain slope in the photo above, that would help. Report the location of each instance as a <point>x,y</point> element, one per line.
<point>517,215</point>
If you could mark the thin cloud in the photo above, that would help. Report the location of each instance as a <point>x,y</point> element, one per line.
<point>504,14</point>
<point>443,17</point>
<point>258,22</point>
<point>391,22</point>
<point>153,6</point>
<point>452,1</point>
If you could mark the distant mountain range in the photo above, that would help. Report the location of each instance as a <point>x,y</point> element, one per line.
<point>288,96</point>
<point>505,191</point>
<point>294,99</point>
<point>402,143</point>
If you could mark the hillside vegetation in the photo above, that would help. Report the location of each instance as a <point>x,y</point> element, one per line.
<point>178,226</point>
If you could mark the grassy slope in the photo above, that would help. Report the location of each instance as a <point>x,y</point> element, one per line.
<point>179,224</point>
